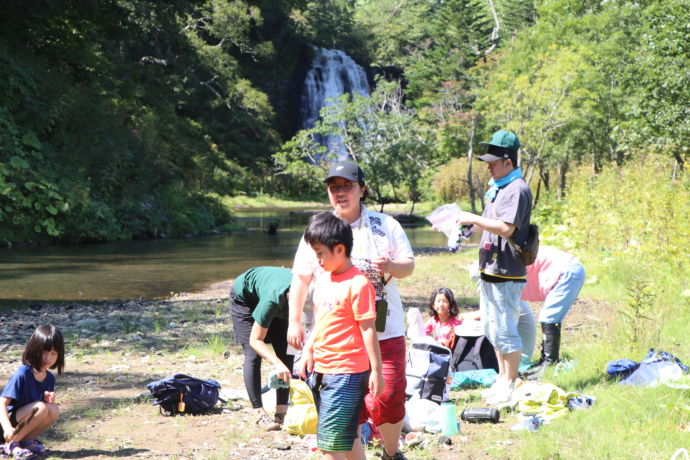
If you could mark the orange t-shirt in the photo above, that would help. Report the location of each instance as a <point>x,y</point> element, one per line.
<point>341,302</point>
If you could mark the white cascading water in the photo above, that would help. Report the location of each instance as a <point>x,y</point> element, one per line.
<point>332,73</point>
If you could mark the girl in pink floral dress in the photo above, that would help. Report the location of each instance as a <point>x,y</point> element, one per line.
<point>443,309</point>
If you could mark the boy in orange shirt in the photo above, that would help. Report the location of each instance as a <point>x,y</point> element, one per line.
<point>343,349</point>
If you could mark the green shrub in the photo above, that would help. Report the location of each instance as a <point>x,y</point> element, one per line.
<point>629,226</point>
<point>450,182</point>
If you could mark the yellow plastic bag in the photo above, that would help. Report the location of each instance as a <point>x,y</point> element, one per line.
<point>301,417</point>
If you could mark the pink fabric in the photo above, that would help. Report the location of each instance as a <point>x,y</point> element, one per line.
<point>543,274</point>
<point>444,333</point>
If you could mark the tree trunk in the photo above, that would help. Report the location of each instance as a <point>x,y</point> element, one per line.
<point>480,190</point>
<point>562,171</point>
<point>470,155</point>
<point>545,178</point>
<point>678,166</point>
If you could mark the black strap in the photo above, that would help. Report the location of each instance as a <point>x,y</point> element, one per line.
<point>477,350</point>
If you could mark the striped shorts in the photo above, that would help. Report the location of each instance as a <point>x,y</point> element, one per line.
<point>340,399</point>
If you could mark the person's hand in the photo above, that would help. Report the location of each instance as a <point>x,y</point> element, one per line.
<point>466,218</point>
<point>8,433</point>
<point>282,372</point>
<point>306,364</point>
<point>49,396</point>
<point>382,264</point>
<point>470,316</point>
<point>295,335</point>
<point>375,383</point>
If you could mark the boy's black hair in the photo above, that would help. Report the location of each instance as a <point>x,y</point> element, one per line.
<point>500,151</point>
<point>330,230</point>
<point>45,338</point>
<point>452,310</point>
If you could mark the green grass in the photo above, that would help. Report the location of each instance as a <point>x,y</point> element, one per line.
<point>208,347</point>
<point>216,344</point>
<point>267,201</point>
<point>625,422</point>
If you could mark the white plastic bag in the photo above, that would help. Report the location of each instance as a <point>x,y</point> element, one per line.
<point>415,324</point>
<point>651,374</point>
<point>445,219</point>
<point>422,414</point>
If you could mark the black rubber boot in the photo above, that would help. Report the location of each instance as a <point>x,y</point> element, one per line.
<point>550,349</point>
<point>551,344</point>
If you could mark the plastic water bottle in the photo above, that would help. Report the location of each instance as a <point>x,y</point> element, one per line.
<point>480,415</point>
<point>449,421</point>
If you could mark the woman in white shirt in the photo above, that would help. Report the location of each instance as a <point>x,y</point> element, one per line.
<point>383,253</point>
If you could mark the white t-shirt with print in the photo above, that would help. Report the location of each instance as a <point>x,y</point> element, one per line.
<point>375,235</point>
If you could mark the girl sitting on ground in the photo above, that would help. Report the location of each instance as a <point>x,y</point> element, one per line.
<point>443,310</point>
<point>29,396</point>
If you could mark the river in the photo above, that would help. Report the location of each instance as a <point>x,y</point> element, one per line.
<point>155,269</point>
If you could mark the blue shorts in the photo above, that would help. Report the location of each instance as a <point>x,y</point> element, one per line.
<point>561,297</point>
<point>499,304</point>
<point>340,398</point>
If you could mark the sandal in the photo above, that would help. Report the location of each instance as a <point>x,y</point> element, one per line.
<point>14,450</point>
<point>34,445</point>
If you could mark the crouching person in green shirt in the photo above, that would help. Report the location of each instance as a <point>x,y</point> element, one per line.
<point>259,309</point>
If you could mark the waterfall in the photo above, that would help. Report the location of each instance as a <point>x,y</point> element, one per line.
<point>331,74</point>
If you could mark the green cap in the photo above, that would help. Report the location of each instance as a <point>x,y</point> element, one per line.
<point>504,139</point>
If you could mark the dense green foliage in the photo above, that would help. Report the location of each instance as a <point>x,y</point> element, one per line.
<point>634,238</point>
<point>120,117</point>
<point>131,118</point>
<point>580,83</point>
<point>380,133</point>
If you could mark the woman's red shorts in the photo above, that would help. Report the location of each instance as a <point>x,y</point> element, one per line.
<point>389,407</point>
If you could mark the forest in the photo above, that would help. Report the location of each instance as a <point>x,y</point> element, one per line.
<point>128,119</point>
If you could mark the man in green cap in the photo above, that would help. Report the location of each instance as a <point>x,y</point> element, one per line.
<point>503,275</point>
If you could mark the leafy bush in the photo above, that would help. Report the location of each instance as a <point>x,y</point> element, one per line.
<point>450,182</point>
<point>629,226</point>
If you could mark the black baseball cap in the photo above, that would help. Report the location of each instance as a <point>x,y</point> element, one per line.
<point>348,170</point>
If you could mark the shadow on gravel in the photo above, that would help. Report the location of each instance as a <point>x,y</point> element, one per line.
<point>86,453</point>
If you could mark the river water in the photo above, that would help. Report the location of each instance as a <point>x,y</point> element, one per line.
<point>157,268</point>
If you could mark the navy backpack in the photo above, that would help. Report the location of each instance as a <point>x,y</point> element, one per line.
<point>184,394</point>
<point>428,371</point>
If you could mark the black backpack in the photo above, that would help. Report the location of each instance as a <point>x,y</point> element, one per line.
<point>528,252</point>
<point>473,353</point>
<point>181,393</point>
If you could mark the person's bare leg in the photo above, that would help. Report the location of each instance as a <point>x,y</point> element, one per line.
<point>390,434</point>
<point>501,365</point>
<point>45,417</point>
<point>357,452</point>
<point>511,361</point>
<point>334,455</point>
